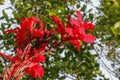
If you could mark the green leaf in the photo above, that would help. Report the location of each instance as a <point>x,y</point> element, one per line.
<point>1,2</point>
<point>2,27</point>
<point>15,14</point>
<point>49,4</point>
<point>116,28</point>
<point>59,36</point>
<point>91,16</point>
<point>5,15</point>
<point>28,7</point>
<point>83,8</point>
<point>117,25</point>
<point>51,13</point>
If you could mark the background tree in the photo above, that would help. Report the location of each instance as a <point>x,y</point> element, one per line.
<point>107,30</point>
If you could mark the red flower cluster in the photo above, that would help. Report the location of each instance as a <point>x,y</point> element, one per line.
<point>32,43</point>
<point>27,55</point>
<point>74,31</point>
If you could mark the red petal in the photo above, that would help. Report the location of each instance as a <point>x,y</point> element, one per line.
<point>8,57</point>
<point>19,51</point>
<point>69,31</point>
<point>60,25</point>
<point>38,33</point>
<point>78,31</point>
<point>10,31</point>
<point>40,58</point>
<point>30,72</point>
<point>27,49</point>
<point>35,71</point>
<point>88,26</point>
<point>27,23</point>
<point>42,47</point>
<point>76,43</point>
<point>20,35</point>
<point>79,16</point>
<point>75,22</point>
<point>56,19</point>
<point>88,38</point>
<point>38,71</point>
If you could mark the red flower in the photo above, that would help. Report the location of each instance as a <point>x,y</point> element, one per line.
<point>74,32</point>
<point>26,56</point>
<point>26,27</point>
<point>75,35</point>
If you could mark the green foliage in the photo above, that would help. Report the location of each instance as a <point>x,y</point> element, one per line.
<point>109,21</point>
<point>108,29</point>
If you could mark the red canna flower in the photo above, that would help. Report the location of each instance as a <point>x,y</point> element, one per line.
<point>74,32</point>
<point>79,29</point>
